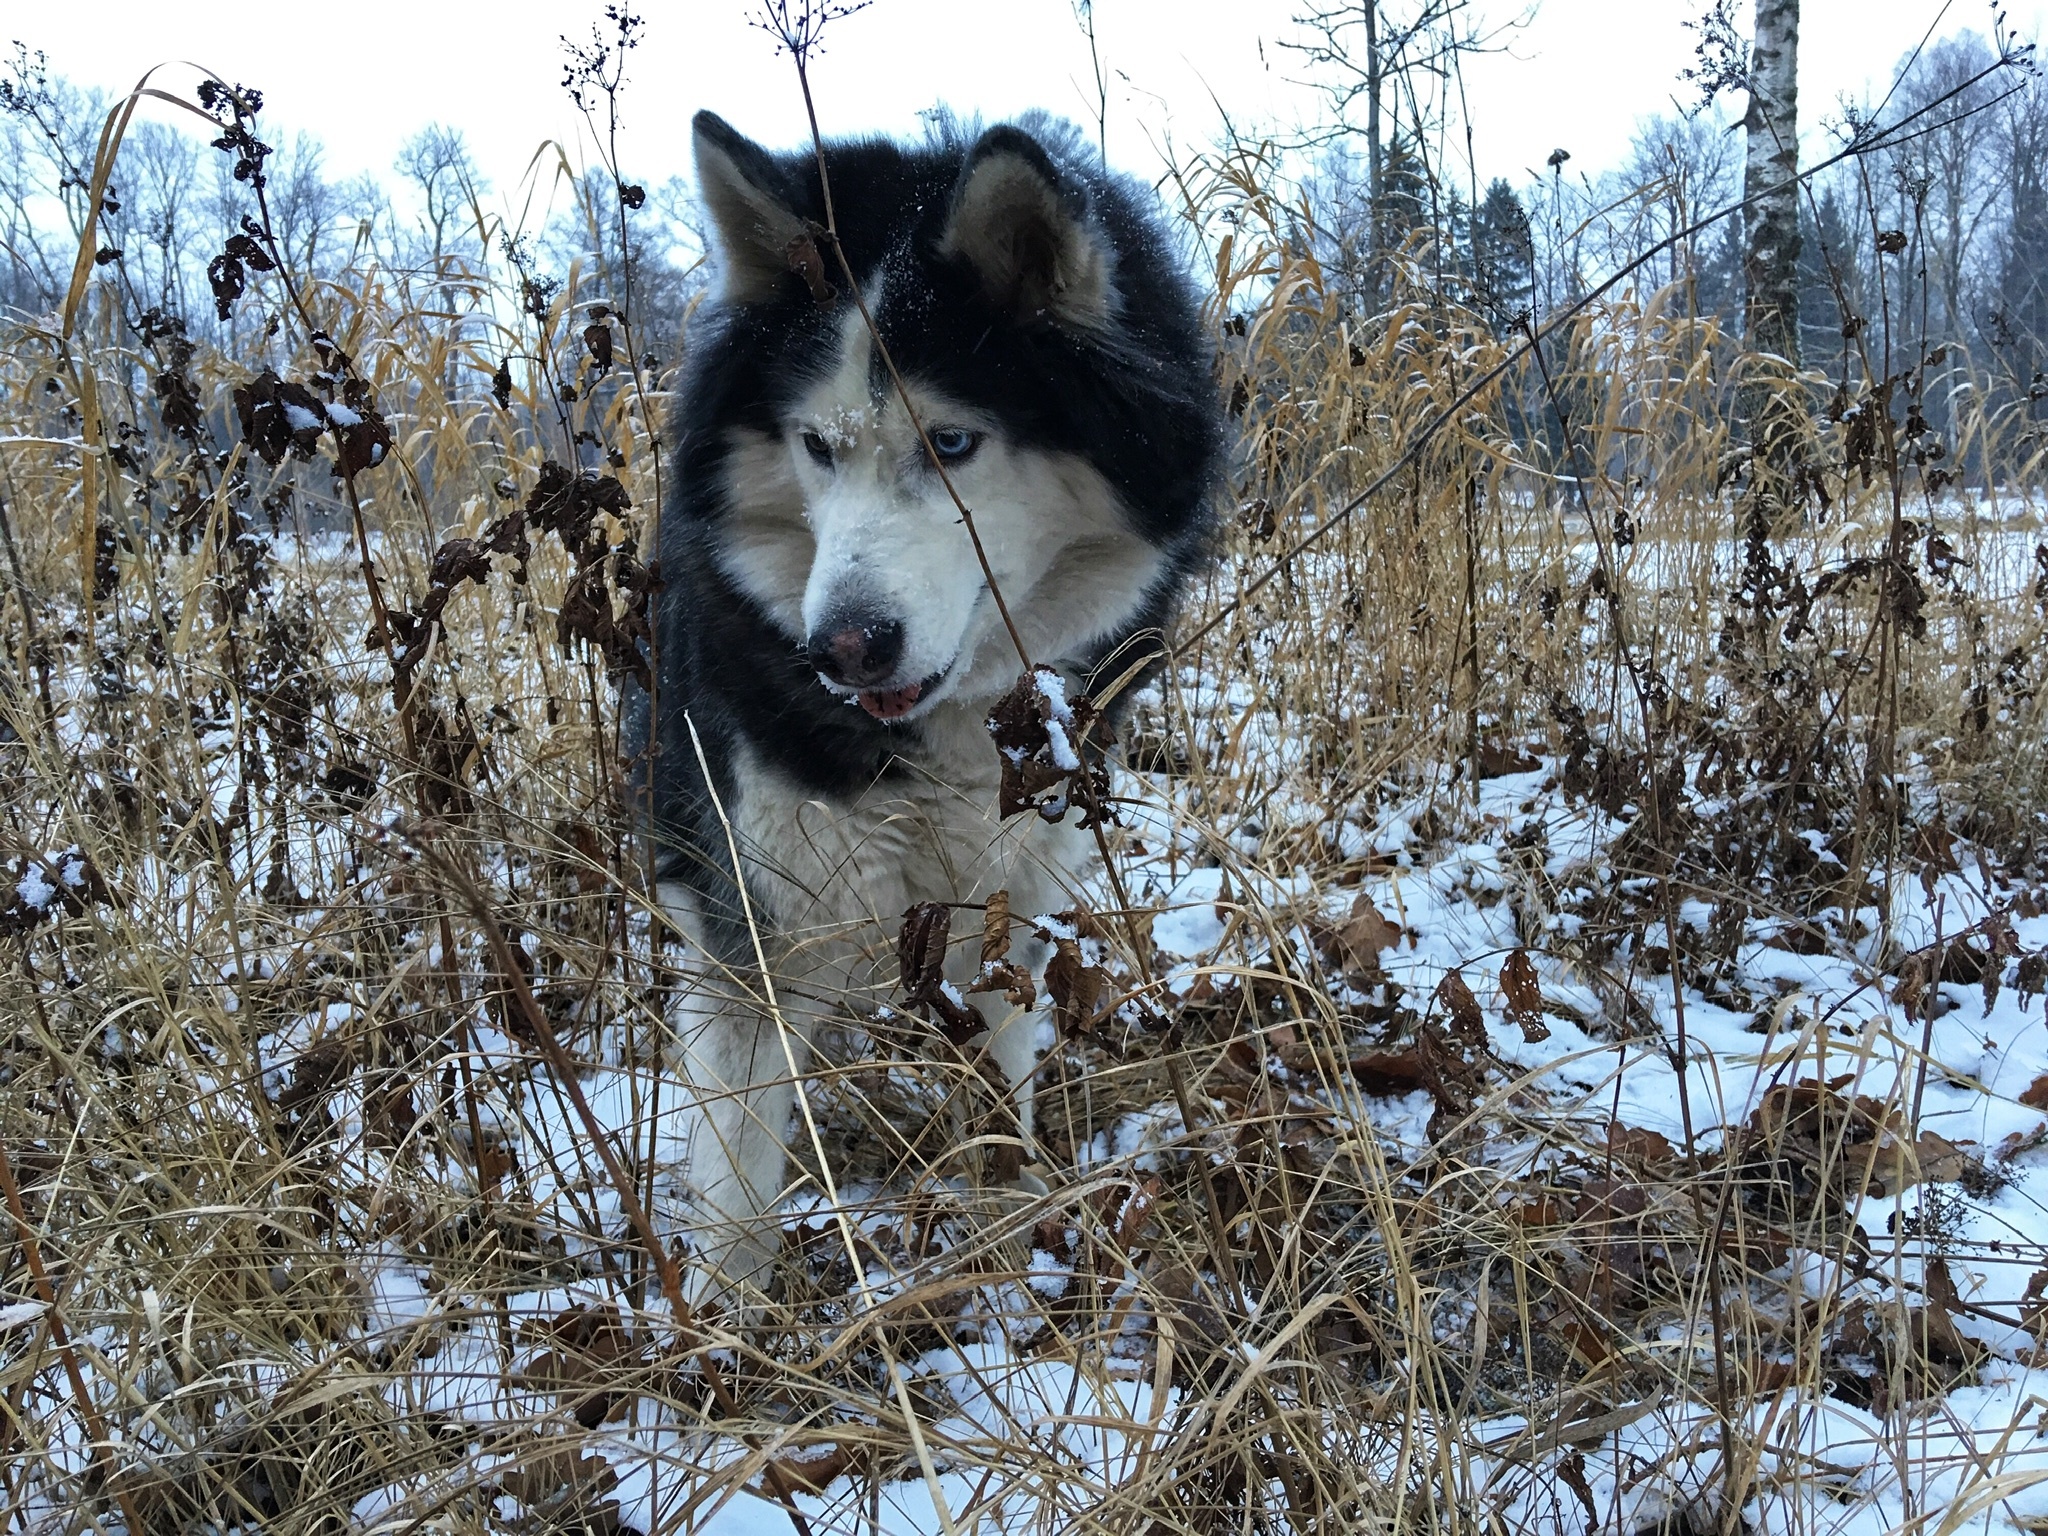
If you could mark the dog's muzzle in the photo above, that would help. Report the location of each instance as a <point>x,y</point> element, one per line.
<point>859,657</point>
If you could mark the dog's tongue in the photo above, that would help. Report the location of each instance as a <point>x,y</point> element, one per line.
<point>893,704</point>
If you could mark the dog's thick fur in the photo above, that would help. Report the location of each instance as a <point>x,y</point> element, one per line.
<point>827,646</point>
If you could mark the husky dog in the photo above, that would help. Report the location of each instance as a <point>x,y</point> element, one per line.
<point>828,643</point>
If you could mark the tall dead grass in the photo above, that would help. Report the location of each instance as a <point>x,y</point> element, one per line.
<point>305,1213</point>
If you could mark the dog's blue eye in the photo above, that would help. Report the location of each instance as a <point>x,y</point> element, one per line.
<point>816,446</point>
<point>952,444</point>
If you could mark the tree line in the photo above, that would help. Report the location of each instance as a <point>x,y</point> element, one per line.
<point>1936,249</point>
<point>428,230</point>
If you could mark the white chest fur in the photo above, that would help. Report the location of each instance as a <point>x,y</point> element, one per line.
<point>834,877</point>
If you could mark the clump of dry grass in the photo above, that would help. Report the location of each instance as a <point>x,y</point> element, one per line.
<point>335,1088</point>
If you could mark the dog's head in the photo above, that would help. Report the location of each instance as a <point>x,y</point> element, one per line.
<point>988,354</point>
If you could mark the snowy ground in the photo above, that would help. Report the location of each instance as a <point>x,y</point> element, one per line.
<point>1864,1099</point>
<point>1971,1454</point>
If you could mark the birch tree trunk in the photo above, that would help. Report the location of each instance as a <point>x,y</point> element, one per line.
<point>1375,162</point>
<point>1771,255</point>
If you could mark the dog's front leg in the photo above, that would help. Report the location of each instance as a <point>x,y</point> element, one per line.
<point>739,1056</point>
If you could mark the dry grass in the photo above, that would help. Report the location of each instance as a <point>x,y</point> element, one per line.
<point>303,1211</point>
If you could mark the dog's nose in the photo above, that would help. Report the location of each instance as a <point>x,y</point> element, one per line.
<point>858,655</point>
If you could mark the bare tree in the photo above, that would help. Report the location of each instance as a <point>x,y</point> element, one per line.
<point>436,163</point>
<point>2016,323</point>
<point>1956,160</point>
<point>1679,167</point>
<point>153,225</point>
<point>1389,63</point>
<point>1771,129</point>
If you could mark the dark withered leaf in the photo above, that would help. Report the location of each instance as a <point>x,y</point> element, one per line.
<point>1353,946</point>
<point>597,340</point>
<point>998,971</point>
<point>279,417</point>
<point>246,249</point>
<point>363,433</point>
<point>1522,996</point>
<point>806,261</point>
<point>501,385</point>
<point>43,890</point>
<point>921,960</point>
<point>224,275</point>
<point>2032,977</point>
<point>618,630</point>
<point>1038,732</point>
<point>1077,986</point>
<point>459,560</point>
<point>350,784</point>
<point>317,1072</point>
<point>178,404</point>
<point>1463,1007</point>
<point>567,504</point>
<point>921,948</point>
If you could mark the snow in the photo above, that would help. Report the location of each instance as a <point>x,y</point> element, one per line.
<point>1031,1427</point>
<point>1059,719</point>
<point>34,889</point>
<point>301,419</point>
<point>1191,923</point>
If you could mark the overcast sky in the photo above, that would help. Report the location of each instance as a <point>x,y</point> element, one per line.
<point>364,75</point>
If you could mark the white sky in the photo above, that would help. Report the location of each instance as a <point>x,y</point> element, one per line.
<point>364,75</point>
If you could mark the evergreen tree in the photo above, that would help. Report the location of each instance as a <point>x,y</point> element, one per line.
<point>1503,256</point>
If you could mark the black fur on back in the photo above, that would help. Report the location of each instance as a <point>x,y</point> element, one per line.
<point>1135,399</point>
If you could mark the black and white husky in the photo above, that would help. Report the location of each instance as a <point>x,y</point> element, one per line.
<point>828,644</point>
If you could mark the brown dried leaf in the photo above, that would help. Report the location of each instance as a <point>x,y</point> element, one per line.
<point>811,1468</point>
<point>1497,761</point>
<point>921,948</point>
<point>1453,1082</point>
<point>316,1072</point>
<point>1522,996</point>
<point>1137,1210</point>
<point>1038,732</point>
<point>1353,946</point>
<point>995,928</point>
<point>1941,1340</point>
<point>2032,977</point>
<point>1626,1141</point>
<point>998,972</point>
<point>1911,984</point>
<point>1077,988</point>
<point>582,1369</point>
<point>1935,845</point>
<point>565,1486</point>
<point>921,960</point>
<point>806,262</point>
<point>1463,1008</point>
<point>1387,1073</point>
<point>1571,1471</point>
<point>1940,1160</point>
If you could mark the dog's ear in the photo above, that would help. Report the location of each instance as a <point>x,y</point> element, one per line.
<point>1023,224</point>
<point>746,194</point>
